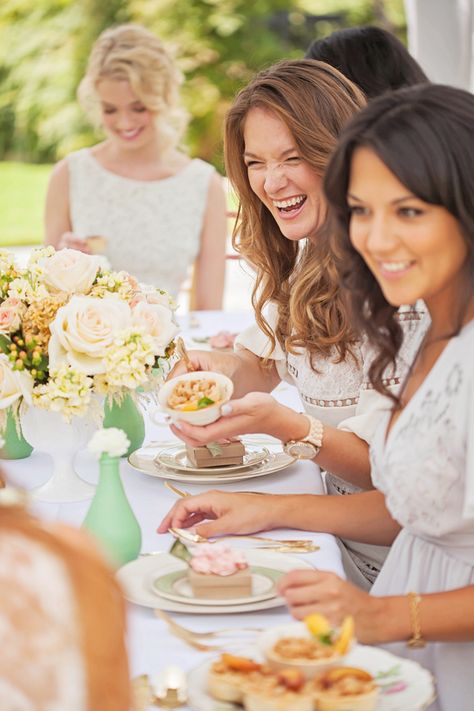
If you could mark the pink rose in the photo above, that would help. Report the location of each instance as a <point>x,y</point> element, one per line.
<point>11,312</point>
<point>222,340</point>
<point>217,559</point>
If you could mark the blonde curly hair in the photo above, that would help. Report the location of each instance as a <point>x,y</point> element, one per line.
<point>134,54</point>
<point>314,101</point>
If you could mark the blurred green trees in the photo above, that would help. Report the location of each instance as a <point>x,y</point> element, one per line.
<point>219,44</point>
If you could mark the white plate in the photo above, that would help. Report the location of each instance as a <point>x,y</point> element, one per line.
<point>175,458</point>
<point>136,578</point>
<point>175,585</point>
<point>415,683</point>
<point>142,460</point>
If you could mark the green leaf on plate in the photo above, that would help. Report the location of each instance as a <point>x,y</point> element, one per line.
<point>179,550</point>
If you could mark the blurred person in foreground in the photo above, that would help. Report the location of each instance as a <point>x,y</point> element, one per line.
<point>371,57</point>
<point>137,197</point>
<point>62,618</point>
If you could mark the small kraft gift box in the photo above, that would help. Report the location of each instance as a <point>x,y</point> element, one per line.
<point>216,455</point>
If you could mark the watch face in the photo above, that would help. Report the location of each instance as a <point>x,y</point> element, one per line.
<point>302,450</point>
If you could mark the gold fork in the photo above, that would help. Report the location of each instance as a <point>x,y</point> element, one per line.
<point>189,537</point>
<point>202,635</point>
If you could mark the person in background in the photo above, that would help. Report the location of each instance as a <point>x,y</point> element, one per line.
<point>62,618</point>
<point>137,197</point>
<point>371,57</point>
<point>279,135</point>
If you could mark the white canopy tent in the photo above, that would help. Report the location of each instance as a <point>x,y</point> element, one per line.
<point>440,37</point>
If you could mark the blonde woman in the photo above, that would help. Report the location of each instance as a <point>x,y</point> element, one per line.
<point>157,210</point>
<point>279,135</point>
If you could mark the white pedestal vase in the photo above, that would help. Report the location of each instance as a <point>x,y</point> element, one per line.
<point>49,432</point>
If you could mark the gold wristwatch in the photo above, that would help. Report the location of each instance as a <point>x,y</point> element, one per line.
<point>310,446</point>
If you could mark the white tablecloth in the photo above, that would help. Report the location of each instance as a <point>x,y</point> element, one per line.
<point>151,647</point>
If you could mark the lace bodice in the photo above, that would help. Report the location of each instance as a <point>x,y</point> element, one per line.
<point>42,667</point>
<point>336,392</point>
<point>426,466</point>
<point>152,228</point>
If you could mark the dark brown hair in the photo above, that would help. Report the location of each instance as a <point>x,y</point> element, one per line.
<point>314,101</point>
<point>424,135</point>
<point>371,57</point>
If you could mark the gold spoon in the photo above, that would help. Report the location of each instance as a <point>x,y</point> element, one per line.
<point>183,354</point>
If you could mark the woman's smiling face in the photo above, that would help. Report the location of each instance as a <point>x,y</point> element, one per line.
<point>124,116</point>
<point>415,249</point>
<point>280,177</point>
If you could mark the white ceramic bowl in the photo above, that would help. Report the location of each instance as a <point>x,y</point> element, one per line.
<point>205,415</point>
<point>310,668</point>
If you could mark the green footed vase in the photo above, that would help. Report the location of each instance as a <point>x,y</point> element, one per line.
<point>127,417</point>
<point>110,517</point>
<point>16,446</point>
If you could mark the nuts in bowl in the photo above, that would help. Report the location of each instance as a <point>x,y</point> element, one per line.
<point>195,397</point>
<point>311,646</point>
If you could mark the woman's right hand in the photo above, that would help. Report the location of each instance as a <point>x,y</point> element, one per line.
<point>225,363</point>
<point>69,240</point>
<point>224,512</point>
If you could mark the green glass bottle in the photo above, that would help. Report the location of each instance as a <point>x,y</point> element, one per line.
<point>110,517</point>
<point>16,446</point>
<point>127,417</point>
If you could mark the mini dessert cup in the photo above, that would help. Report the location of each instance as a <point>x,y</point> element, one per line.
<point>228,677</point>
<point>203,415</point>
<point>272,693</point>
<point>346,689</point>
<point>310,667</point>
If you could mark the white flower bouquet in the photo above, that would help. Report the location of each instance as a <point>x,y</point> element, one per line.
<point>70,329</point>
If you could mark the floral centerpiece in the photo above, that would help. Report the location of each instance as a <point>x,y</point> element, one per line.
<point>70,330</point>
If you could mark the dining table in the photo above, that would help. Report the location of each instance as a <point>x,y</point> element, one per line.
<point>151,644</point>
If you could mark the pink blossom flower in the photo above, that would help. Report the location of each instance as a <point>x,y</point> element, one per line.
<point>223,339</point>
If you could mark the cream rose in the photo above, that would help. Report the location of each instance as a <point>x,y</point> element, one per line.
<point>14,384</point>
<point>11,311</point>
<point>84,330</point>
<point>68,270</point>
<point>156,321</point>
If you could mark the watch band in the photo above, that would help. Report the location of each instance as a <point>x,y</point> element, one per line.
<point>314,439</point>
<point>316,432</point>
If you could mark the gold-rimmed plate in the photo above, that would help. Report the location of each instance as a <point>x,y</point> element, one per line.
<point>143,461</point>
<point>137,576</point>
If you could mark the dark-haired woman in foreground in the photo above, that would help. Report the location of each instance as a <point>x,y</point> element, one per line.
<point>401,185</point>
<point>371,57</point>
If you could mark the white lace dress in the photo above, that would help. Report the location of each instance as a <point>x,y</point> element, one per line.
<point>152,228</point>
<point>340,396</point>
<point>42,667</point>
<point>426,470</point>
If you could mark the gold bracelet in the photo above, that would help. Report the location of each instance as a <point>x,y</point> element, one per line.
<point>416,641</point>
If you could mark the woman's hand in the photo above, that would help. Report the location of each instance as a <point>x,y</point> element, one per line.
<point>226,513</point>
<point>307,591</point>
<point>69,240</point>
<point>254,413</point>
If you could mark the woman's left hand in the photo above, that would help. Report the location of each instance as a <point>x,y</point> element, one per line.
<point>253,413</point>
<point>308,591</point>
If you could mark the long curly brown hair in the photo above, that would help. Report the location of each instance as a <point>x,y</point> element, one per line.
<point>424,136</point>
<point>314,101</point>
